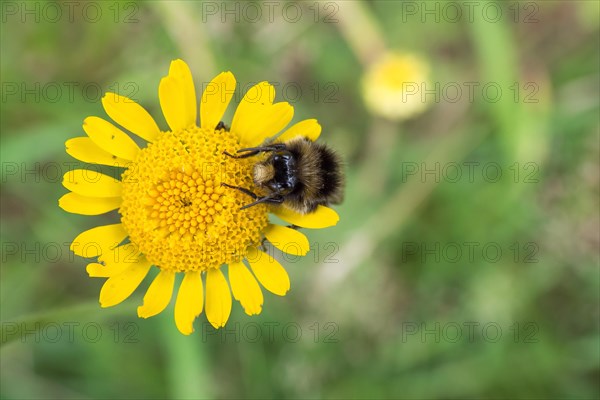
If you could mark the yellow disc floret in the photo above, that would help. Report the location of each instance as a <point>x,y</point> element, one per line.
<point>177,212</point>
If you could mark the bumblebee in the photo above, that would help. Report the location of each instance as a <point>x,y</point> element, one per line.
<point>298,173</point>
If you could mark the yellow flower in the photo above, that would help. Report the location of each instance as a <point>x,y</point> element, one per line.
<point>394,86</point>
<point>174,212</point>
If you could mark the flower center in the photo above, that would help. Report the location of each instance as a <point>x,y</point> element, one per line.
<point>176,210</point>
<point>185,202</point>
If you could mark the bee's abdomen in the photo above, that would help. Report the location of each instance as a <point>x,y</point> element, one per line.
<point>320,178</point>
<point>331,173</point>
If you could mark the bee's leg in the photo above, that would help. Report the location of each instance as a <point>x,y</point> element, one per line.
<point>241,189</point>
<point>273,198</point>
<point>296,227</point>
<point>249,154</point>
<point>270,199</point>
<point>221,125</point>
<point>251,151</point>
<point>262,245</point>
<point>270,147</point>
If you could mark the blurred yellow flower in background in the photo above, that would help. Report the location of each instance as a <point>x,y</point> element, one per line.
<point>174,212</point>
<point>393,86</point>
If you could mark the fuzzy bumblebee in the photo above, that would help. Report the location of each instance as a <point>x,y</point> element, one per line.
<point>298,173</point>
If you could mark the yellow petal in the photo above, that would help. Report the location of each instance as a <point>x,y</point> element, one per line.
<point>245,288</point>
<point>77,204</point>
<point>119,287</point>
<point>267,122</point>
<point>258,98</point>
<point>130,115</point>
<point>259,95</point>
<point>159,294</point>
<point>322,217</point>
<point>177,96</point>
<point>287,240</point>
<point>308,128</point>
<point>190,300</point>
<point>98,240</point>
<point>97,270</point>
<point>110,138</point>
<point>91,183</point>
<point>84,149</point>
<point>268,271</point>
<point>215,99</point>
<point>218,298</point>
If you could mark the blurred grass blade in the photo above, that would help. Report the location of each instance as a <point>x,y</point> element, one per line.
<point>497,59</point>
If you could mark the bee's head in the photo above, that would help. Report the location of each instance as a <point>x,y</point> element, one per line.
<point>277,173</point>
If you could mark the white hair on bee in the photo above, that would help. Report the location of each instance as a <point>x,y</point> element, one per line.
<point>263,172</point>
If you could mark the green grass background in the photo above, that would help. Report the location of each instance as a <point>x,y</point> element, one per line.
<point>376,319</point>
